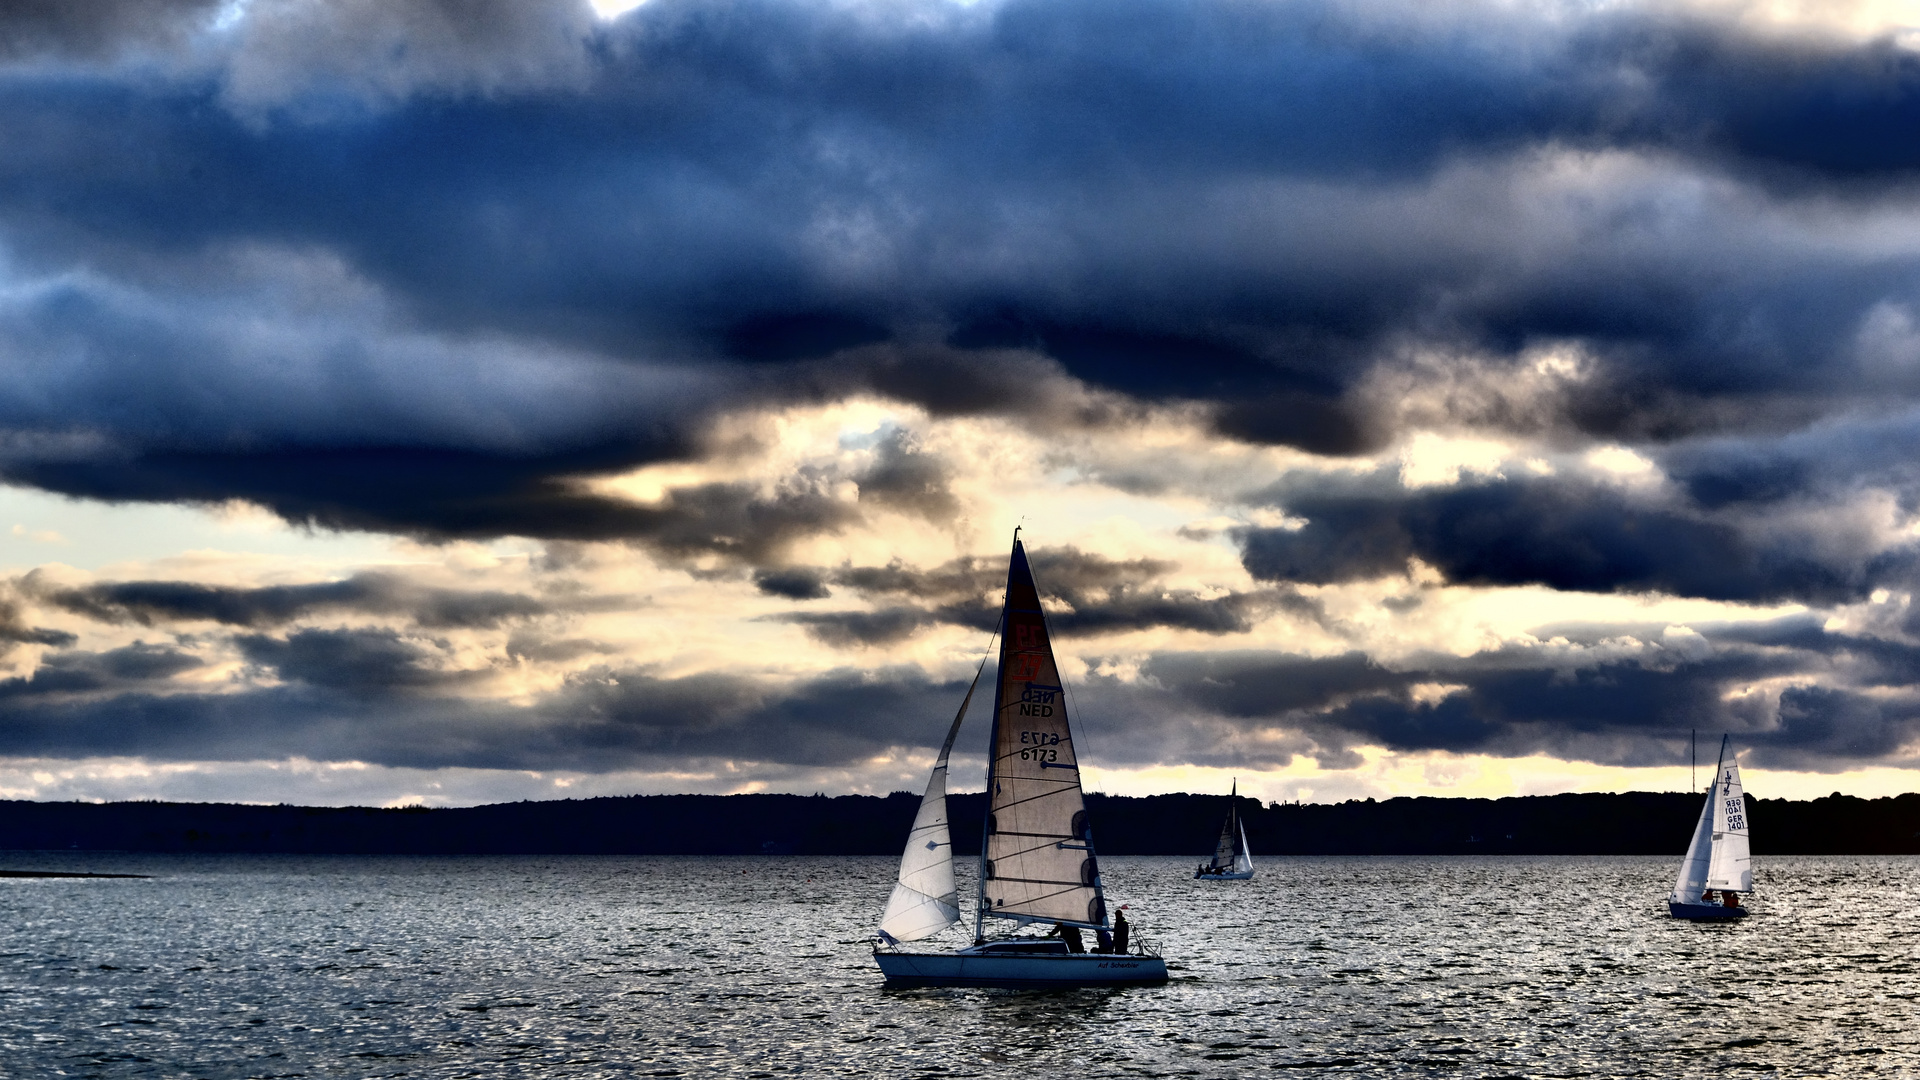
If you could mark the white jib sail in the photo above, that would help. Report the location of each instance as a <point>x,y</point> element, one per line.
<point>1692,880</point>
<point>1732,864</point>
<point>925,900</point>
<point>1243,860</point>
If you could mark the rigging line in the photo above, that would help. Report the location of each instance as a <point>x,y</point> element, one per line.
<point>985,656</point>
<point>1073,706</point>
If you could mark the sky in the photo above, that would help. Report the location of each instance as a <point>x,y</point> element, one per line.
<point>448,403</point>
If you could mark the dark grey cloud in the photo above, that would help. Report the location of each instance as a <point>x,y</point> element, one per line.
<point>849,629</point>
<point>97,28</point>
<point>1569,533</point>
<point>420,268</point>
<point>1249,206</point>
<point>1794,694</point>
<point>14,630</point>
<point>366,662</point>
<point>377,698</point>
<point>148,603</point>
<point>131,668</point>
<point>1594,699</point>
<point>796,583</point>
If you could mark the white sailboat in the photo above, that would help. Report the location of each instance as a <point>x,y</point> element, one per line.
<point>1231,860</point>
<point>1719,859</point>
<point>1037,862</point>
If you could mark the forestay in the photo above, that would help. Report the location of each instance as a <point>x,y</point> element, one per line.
<point>925,900</point>
<point>1732,863</point>
<point>1038,863</point>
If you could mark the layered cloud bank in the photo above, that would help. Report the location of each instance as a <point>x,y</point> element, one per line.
<point>1383,382</point>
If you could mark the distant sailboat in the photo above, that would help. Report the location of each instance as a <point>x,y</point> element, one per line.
<point>1037,863</point>
<point>1231,859</point>
<point>1719,859</point>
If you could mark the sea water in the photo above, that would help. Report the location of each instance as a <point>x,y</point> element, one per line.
<point>282,966</point>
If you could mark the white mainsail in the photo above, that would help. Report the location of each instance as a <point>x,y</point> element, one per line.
<point>1731,867</point>
<point>1037,862</point>
<point>925,900</point>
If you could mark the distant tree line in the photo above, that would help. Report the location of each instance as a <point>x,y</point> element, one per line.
<point>1638,823</point>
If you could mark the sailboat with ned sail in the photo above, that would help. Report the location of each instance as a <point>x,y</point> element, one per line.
<point>1231,860</point>
<point>1037,861</point>
<point>1719,859</point>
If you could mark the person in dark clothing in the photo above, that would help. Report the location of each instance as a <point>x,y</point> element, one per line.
<point>1120,930</point>
<point>1070,935</point>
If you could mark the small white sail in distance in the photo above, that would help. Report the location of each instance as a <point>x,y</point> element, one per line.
<point>1731,866</point>
<point>925,899</point>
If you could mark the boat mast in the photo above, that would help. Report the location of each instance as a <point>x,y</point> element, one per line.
<point>986,813</point>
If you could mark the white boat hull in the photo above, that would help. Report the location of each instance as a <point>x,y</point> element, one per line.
<point>1246,875</point>
<point>1067,969</point>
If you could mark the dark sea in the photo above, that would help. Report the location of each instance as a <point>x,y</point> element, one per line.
<point>285,966</point>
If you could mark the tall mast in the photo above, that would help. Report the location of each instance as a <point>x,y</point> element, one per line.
<point>993,740</point>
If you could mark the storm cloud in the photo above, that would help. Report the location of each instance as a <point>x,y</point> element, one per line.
<point>1248,206</point>
<point>158,602</point>
<point>791,302</point>
<point>1575,536</point>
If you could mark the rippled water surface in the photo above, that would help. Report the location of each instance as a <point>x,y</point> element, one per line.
<point>581,967</point>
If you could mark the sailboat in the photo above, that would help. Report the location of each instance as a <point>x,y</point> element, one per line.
<point>1231,859</point>
<point>1037,862</point>
<point>1719,859</point>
